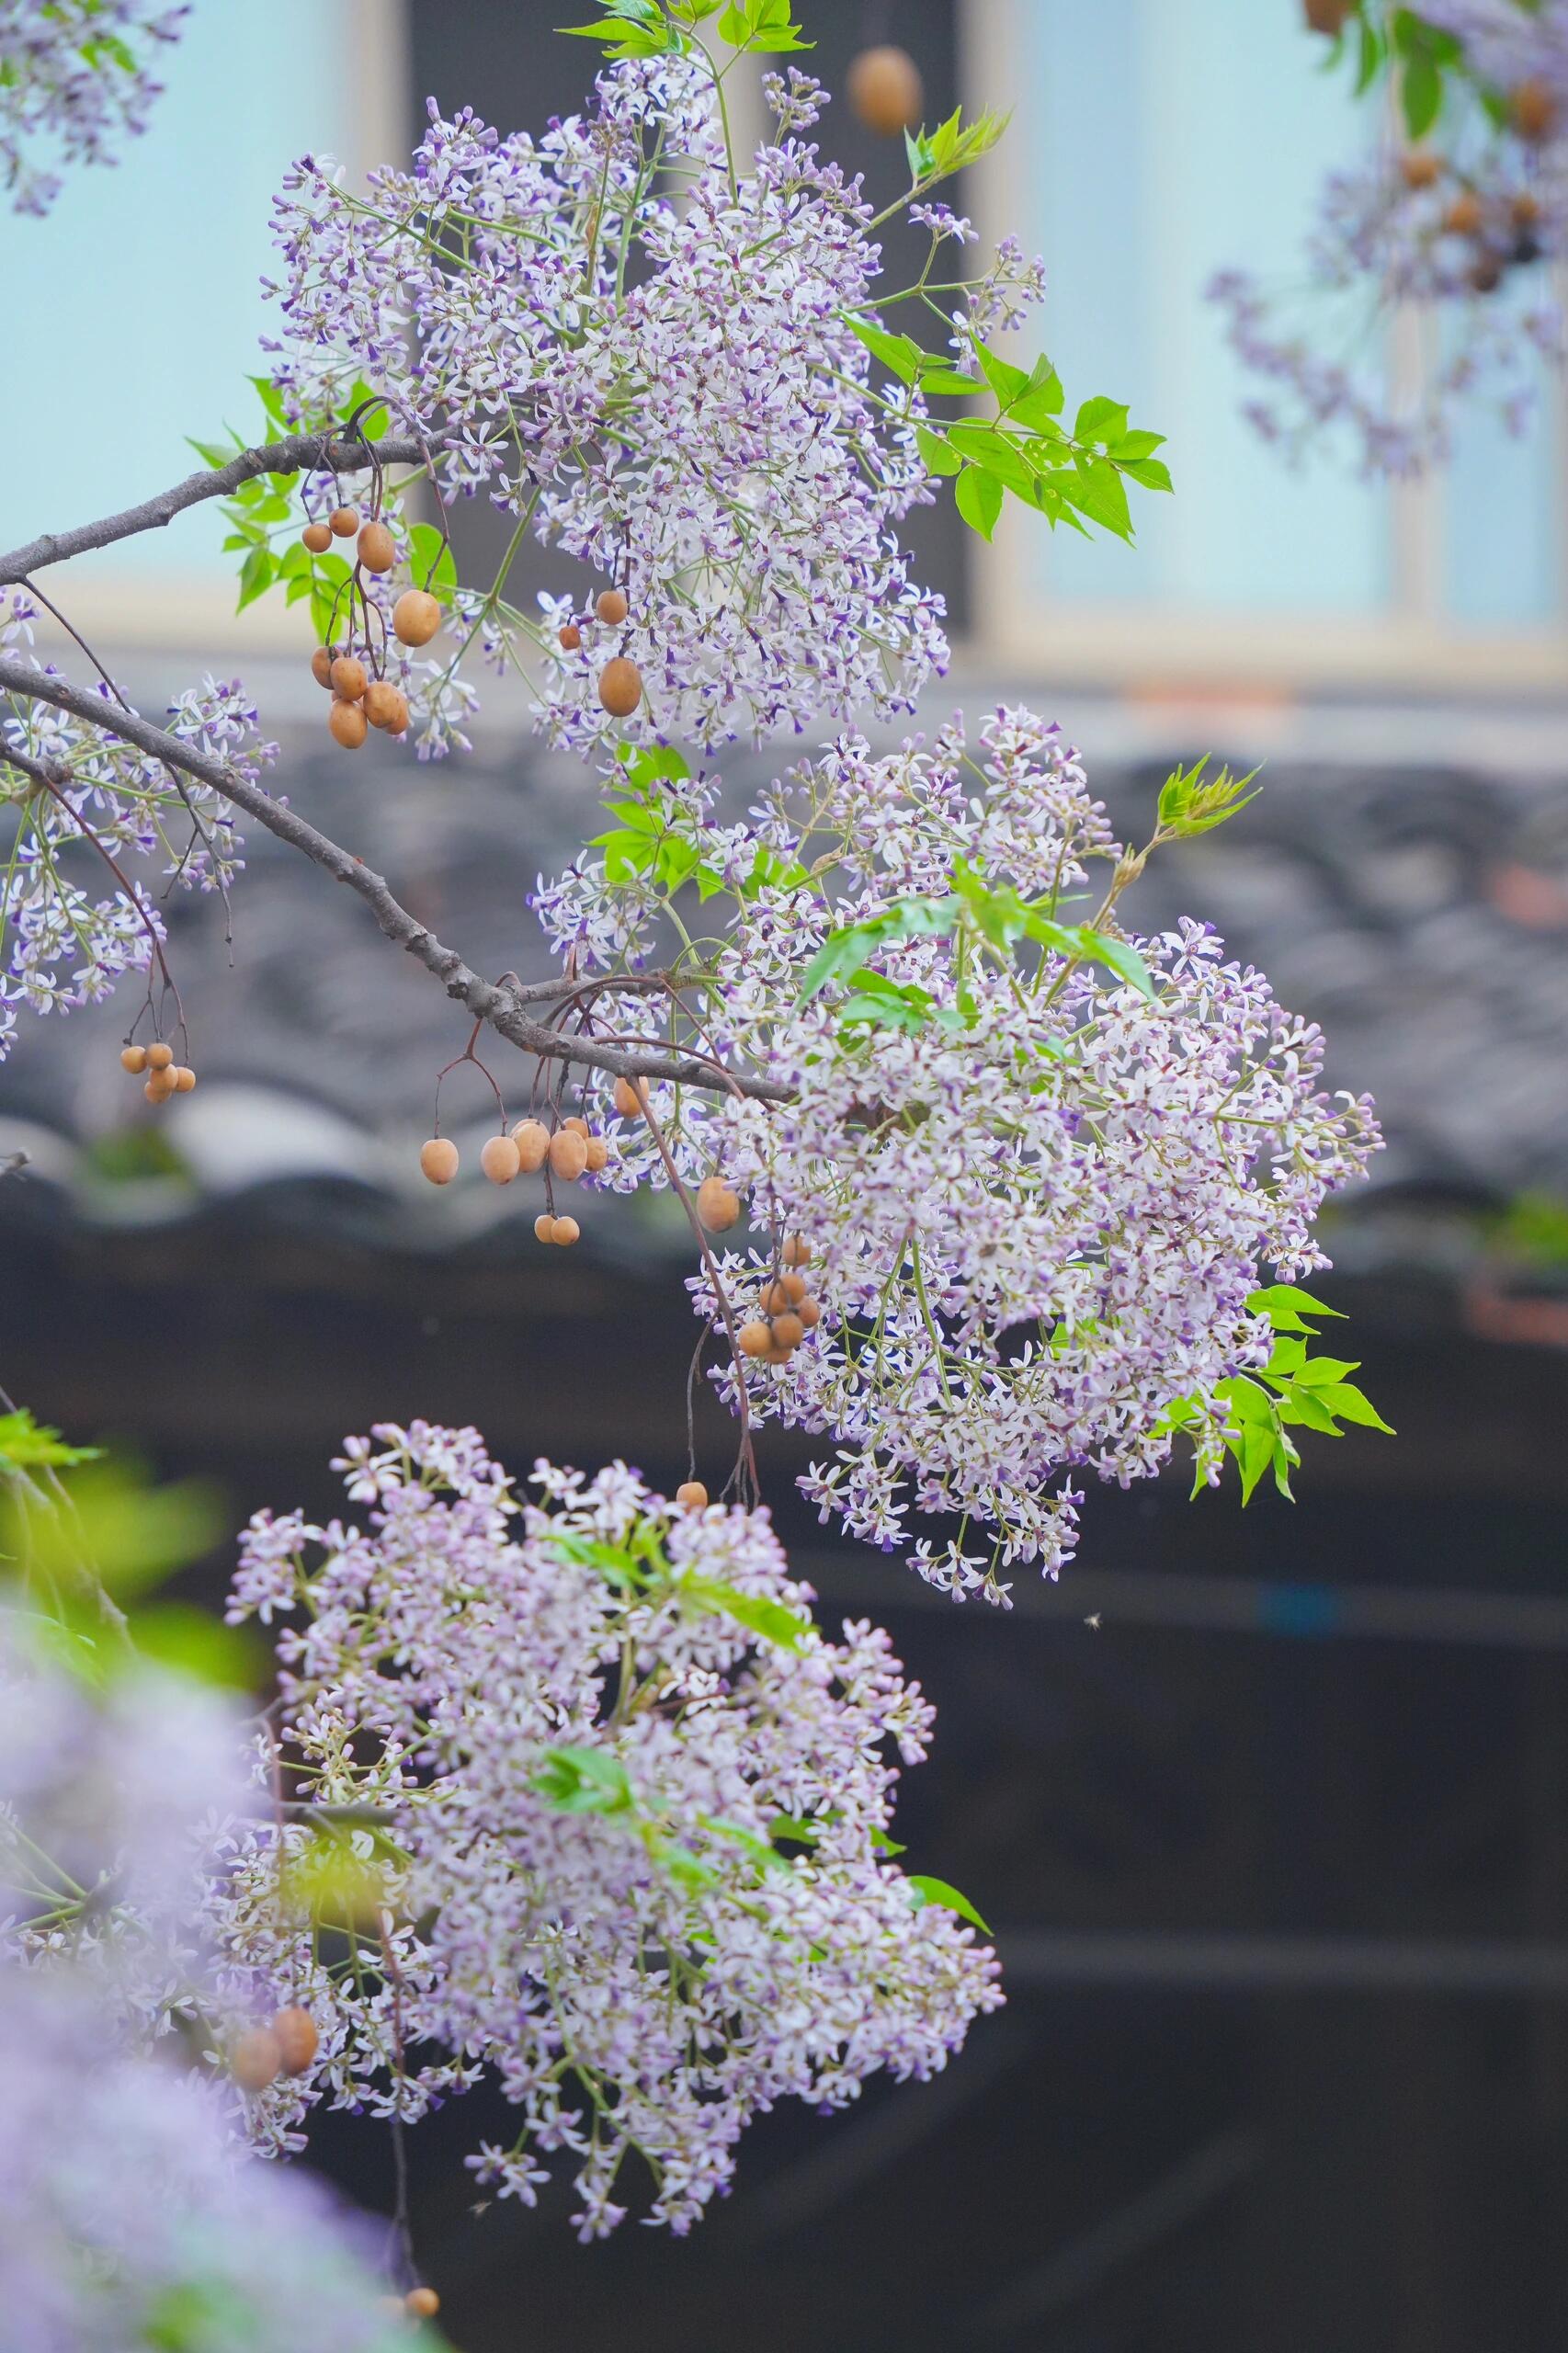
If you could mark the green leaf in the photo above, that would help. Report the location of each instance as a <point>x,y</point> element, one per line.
<point>1006,381</point>
<point>582,1781</point>
<point>192,1641</point>
<point>1421,93</point>
<point>1149,474</point>
<point>1349,1402</point>
<point>900,354</point>
<point>1096,488</point>
<point>994,452</point>
<point>978,497</point>
<point>26,1445</point>
<point>770,1620</point>
<point>1285,1304</point>
<point>846,950</point>
<point>937,1892</point>
<point>256,577</point>
<point>1100,420</point>
<point>938,452</point>
<point>430,560</point>
<point>1193,802</point>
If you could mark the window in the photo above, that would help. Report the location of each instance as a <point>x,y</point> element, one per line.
<point>1154,141</point>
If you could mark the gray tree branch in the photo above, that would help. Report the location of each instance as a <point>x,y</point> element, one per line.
<point>292,455</point>
<point>501,1004</point>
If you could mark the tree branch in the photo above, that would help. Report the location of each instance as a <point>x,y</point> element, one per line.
<point>290,456</point>
<point>501,1004</point>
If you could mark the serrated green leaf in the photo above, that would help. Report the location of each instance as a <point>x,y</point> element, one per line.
<point>900,354</point>
<point>1009,384</point>
<point>939,453</point>
<point>1100,420</point>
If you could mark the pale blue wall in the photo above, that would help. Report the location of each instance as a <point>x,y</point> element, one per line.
<point>130,315</point>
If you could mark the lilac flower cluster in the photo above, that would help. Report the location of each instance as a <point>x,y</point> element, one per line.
<point>88,863</point>
<point>647,360</point>
<point>73,72</point>
<point>1036,1203</point>
<point>621,1830</point>
<point>129,2211</point>
<point>1468,234</point>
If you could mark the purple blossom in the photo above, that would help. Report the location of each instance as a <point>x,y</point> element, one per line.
<point>584,1727</point>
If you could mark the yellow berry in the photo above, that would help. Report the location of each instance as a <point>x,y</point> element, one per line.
<point>1465,216</point>
<point>628,1096</point>
<point>183,1078</point>
<point>422,2303</point>
<point>568,1155</point>
<point>384,707</point>
<point>793,1287</point>
<point>788,1332</point>
<point>377,549</point>
<point>886,90</point>
<point>347,723</point>
<point>796,1253</point>
<point>415,616</point>
<point>350,676</point>
<point>620,686</point>
<point>1420,168</point>
<point>160,1056</point>
<point>345,522</point>
<point>500,1160</point>
<point>159,1087</point>
<point>717,1206</point>
<point>611,606</point>
<point>810,1314</point>
<point>599,1155</point>
<point>295,2032</point>
<point>1534,109</point>
<point>322,661</point>
<point>570,638</point>
<point>317,537</point>
<point>756,1339</point>
<point>776,1299</point>
<point>257,2058</point>
<point>566,1231</point>
<point>134,1059</point>
<point>438,1159</point>
<point>544,1227</point>
<point>692,1495</point>
<point>578,1127</point>
<point>532,1139</point>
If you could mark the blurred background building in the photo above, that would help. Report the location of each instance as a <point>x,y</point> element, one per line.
<point>1270,1812</point>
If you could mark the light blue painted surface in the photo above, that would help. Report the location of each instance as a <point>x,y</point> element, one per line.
<point>131,312</point>
<point>1181,136</point>
<point>1503,516</point>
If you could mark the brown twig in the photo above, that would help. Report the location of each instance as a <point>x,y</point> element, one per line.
<point>502,1008</point>
<point>298,453</point>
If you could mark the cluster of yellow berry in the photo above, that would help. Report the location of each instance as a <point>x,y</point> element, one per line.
<point>361,697</point>
<point>165,1075</point>
<point>620,681</point>
<point>570,1151</point>
<point>788,1311</point>
<point>1502,225</point>
<point>263,2052</point>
